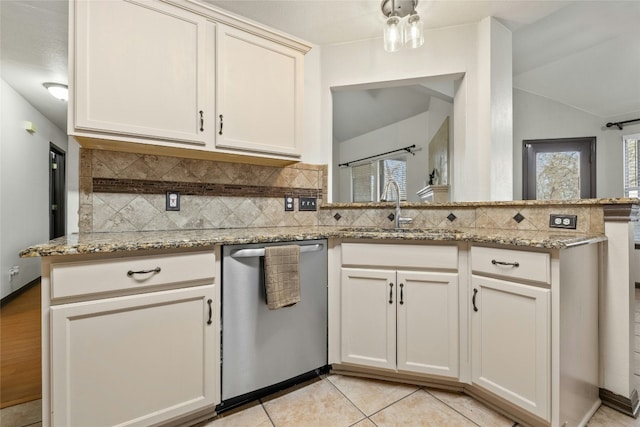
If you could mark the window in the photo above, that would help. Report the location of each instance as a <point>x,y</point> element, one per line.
<point>368,180</point>
<point>632,171</point>
<point>631,166</point>
<point>559,169</point>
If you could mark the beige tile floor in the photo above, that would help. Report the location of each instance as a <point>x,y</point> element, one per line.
<point>335,401</point>
<point>340,401</point>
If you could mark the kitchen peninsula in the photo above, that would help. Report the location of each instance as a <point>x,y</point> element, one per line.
<point>449,252</point>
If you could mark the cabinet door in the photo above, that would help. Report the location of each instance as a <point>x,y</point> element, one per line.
<point>134,360</point>
<point>141,70</point>
<point>259,93</point>
<point>428,323</point>
<point>368,317</point>
<point>510,344</point>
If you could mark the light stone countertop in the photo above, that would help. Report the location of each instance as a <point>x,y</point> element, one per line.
<point>91,243</point>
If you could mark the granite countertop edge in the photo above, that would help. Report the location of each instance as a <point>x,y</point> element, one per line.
<point>94,243</point>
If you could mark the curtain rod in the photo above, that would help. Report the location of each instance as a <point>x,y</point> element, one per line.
<point>621,124</point>
<point>407,149</point>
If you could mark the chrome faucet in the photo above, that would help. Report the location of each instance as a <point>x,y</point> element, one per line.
<point>399,219</point>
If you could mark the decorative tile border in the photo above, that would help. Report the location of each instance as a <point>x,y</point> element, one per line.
<point>142,186</point>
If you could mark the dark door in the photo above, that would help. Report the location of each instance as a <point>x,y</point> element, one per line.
<point>56,192</point>
<point>559,169</point>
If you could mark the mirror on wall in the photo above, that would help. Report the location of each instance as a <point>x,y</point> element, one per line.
<point>401,130</point>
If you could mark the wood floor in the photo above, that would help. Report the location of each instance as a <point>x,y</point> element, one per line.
<point>20,358</point>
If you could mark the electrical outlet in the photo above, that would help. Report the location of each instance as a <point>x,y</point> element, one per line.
<point>308,204</point>
<point>563,221</point>
<point>288,203</point>
<point>14,271</point>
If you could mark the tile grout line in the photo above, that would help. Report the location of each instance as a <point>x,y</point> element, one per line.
<point>393,403</point>
<point>349,400</point>
<point>451,407</point>
<point>266,412</point>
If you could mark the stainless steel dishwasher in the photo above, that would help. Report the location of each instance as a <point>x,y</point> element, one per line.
<point>265,350</point>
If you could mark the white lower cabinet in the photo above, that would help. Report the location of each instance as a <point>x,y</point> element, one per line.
<point>140,347</point>
<point>511,342</point>
<point>400,320</point>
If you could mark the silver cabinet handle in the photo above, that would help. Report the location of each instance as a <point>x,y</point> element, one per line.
<point>512,264</point>
<point>154,270</point>
<point>248,253</point>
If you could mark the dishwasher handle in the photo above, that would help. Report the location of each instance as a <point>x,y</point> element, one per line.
<point>250,253</point>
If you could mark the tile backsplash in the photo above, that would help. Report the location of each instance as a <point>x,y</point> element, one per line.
<point>486,215</point>
<point>127,192</point>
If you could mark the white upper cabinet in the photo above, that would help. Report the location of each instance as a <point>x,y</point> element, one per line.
<point>182,74</point>
<point>141,71</point>
<point>259,88</point>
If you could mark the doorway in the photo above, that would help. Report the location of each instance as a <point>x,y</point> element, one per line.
<point>57,205</point>
<point>559,169</point>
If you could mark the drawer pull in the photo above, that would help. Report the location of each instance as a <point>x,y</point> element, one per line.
<point>390,293</point>
<point>131,272</point>
<point>473,300</point>
<point>209,301</point>
<point>401,294</point>
<point>513,264</point>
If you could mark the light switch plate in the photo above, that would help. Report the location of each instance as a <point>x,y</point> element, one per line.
<point>563,221</point>
<point>308,204</point>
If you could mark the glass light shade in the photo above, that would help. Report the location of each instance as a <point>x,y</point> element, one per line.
<point>393,34</point>
<point>414,32</point>
<point>58,90</point>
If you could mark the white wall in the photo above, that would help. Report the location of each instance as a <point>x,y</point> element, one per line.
<point>24,186</point>
<point>536,117</point>
<point>478,51</point>
<point>395,136</point>
<point>73,185</point>
<point>416,130</point>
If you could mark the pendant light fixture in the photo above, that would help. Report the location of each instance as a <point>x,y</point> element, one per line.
<point>398,34</point>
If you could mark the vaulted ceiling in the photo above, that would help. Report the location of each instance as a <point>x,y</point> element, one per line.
<point>581,53</point>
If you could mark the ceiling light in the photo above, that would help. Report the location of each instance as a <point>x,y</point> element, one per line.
<point>396,33</point>
<point>58,90</point>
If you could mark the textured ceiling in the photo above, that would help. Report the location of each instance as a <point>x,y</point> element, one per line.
<point>582,53</point>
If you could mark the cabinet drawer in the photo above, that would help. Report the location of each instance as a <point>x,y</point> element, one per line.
<point>112,275</point>
<point>398,256</point>
<point>532,266</point>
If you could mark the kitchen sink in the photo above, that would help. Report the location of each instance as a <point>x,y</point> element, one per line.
<point>400,230</point>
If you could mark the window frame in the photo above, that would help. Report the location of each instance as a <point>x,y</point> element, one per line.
<point>377,174</point>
